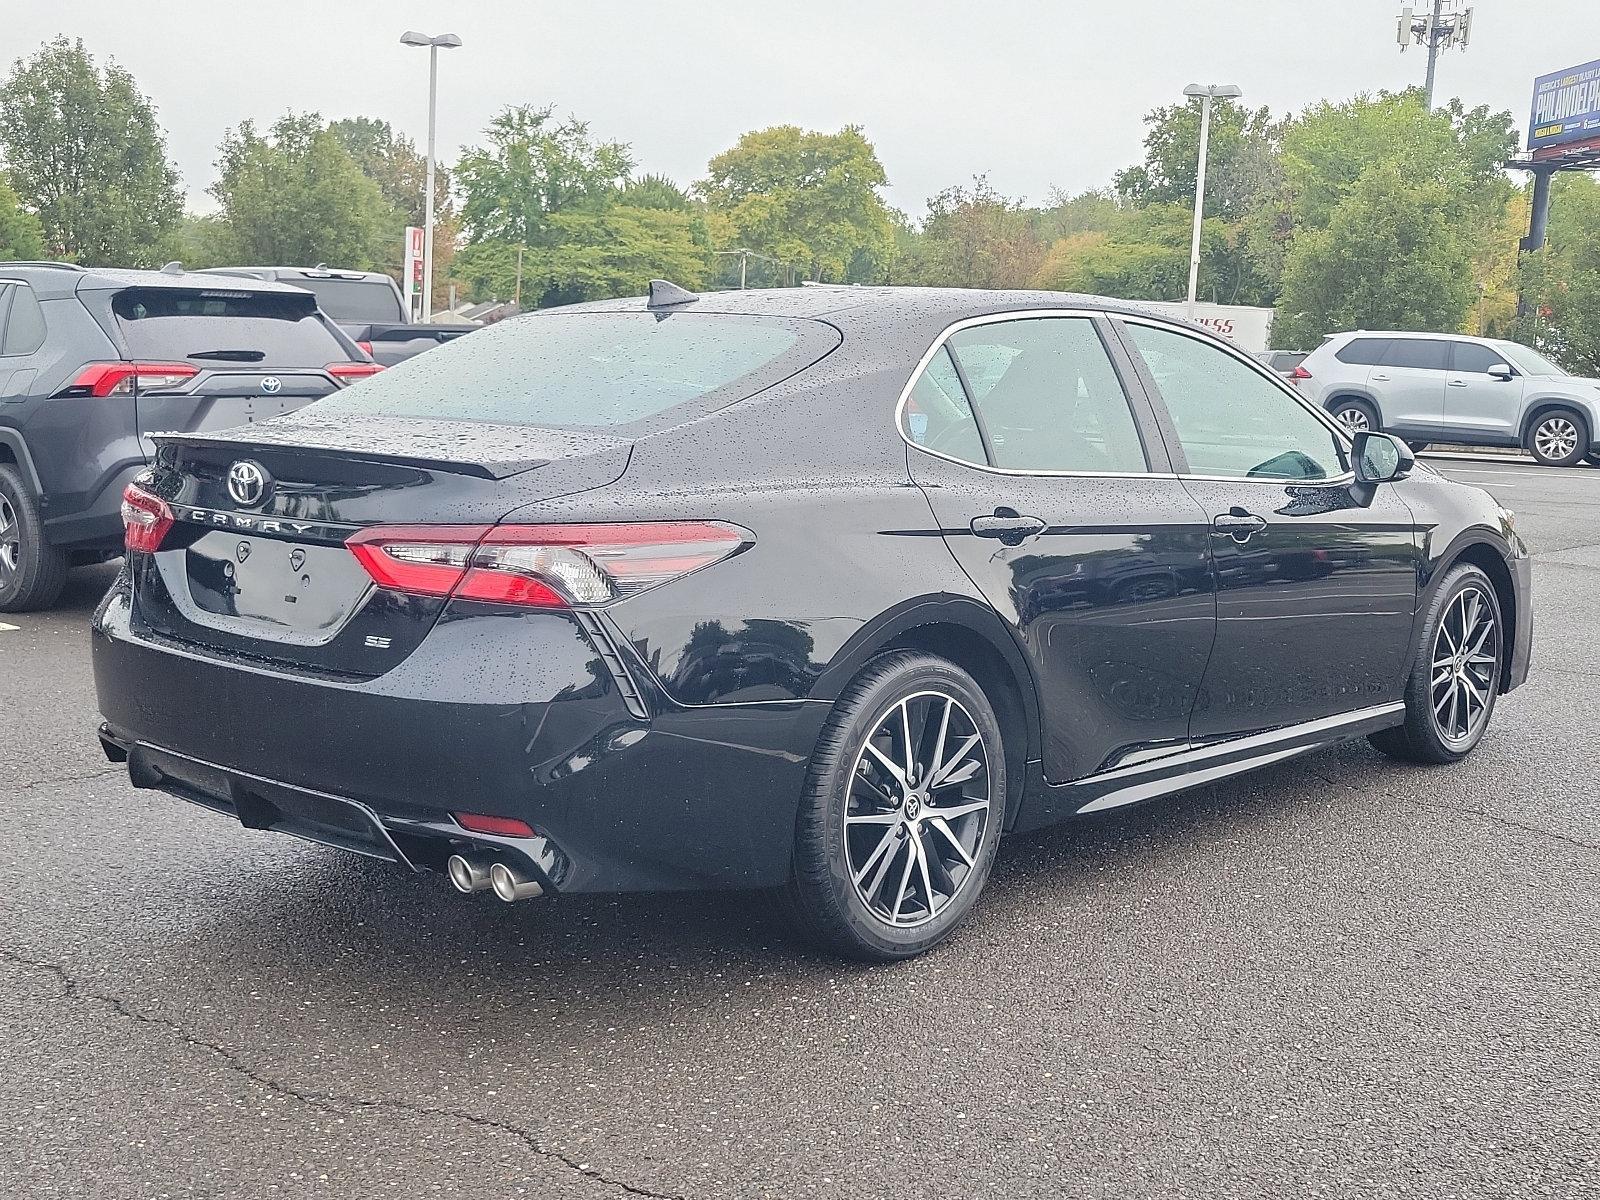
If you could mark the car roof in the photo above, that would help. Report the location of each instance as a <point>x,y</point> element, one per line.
<point>304,272</point>
<point>1419,335</point>
<point>54,280</point>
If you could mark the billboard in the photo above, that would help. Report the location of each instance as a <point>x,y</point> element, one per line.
<point>1249,328</point>
<point>1566,108</point>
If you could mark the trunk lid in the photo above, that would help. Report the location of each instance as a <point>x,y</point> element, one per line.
<point>256,562</point>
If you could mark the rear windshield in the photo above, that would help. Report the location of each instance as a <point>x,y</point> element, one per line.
<point>222,327</point>
<point>356,301</point>
<point>592,369</point>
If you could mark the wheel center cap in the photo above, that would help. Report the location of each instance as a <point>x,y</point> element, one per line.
<point>913,806</point>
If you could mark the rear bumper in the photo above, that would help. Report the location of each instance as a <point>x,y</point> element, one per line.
<point>98,523</point>
<point>514,716</point>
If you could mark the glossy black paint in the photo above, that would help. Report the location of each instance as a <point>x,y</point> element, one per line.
<point>663,741</point>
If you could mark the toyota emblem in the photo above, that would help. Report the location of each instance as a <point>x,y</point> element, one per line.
<point>272,385</point>
<point>248,483</point>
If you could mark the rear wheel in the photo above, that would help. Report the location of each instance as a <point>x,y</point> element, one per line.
<point>1455,673</point>
<point>32,572</point>
<point>902,811</point>
<point>1355,415</point>
<point>1559,438</point>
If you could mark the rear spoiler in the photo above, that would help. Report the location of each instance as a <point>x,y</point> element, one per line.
<point>480,450</point>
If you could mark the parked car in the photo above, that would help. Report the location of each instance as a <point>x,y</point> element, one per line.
<point>1282,361</point>
<point>367,305</point>
<point>818,590</point>
<point>93,361</point>
<point>1430,387</point>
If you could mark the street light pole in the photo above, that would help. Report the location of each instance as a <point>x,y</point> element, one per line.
<point>1206,95</point>
<point>448,41</point>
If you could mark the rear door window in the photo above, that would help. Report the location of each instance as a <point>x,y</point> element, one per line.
<point>593,369</point>
<point>224,328</point>
<point>1363,352</point>
<point>355,300</point>
<point>1422,354</point>
<point>24,329</point>
<point>937,416</point>
<point>1049,397</point>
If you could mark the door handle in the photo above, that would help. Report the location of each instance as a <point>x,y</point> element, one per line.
<point>1458,383</point>
<point>1381,378</point>
<point>1239,524</point>
<point>1008,525</point>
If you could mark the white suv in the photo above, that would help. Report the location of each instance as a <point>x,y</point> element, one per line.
<point>1433,387</point>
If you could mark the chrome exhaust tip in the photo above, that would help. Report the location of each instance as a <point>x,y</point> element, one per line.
<point>468,875</point>
<point>511,884</point>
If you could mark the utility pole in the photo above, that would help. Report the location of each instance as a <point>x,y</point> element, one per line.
<point>1439,29</point>
<point>744,255</point>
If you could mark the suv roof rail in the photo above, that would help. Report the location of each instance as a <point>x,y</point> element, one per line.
<point>59,266</point>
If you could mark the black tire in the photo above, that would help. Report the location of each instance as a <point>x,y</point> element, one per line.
<point>1417,447</point>
<point>1592,459</point>
<point>1354,414</point>
<point>1558,437</point>
<point>32,572</point>
<point>838,895</point>
<point>1438,668</point>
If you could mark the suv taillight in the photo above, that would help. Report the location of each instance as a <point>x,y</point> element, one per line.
<point>103,379</point>
<point>349,372</point>
<point>541,566</point>
<point>145,520</point>
<point>1299,373</point>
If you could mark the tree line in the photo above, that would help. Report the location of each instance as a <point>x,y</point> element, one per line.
<point>1371,212</point>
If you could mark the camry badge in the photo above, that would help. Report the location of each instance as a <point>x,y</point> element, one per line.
<point>242,552</point>
<point>247,483</point>
<point>297,559</point>
<point>272,385</point>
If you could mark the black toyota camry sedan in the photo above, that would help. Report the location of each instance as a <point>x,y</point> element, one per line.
<point>819,590</point>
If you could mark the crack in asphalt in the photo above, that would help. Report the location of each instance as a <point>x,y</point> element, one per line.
<point>328,1102</point>
<point>1493,818</point>
<point>92,775</point>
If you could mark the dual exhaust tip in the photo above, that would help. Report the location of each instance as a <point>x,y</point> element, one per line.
<point>469,873</point>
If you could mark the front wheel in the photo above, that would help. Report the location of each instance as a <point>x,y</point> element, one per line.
<point>1559,438</point>
<point>902,811</point>
<point>1455,673</point>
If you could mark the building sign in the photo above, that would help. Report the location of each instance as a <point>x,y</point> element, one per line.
<point>1566,108</point>
<point>413,272</point>
<point>1249,328</point>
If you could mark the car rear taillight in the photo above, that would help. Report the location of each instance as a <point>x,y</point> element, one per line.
<point>365,348</point>
<point>1299,373</point>
<point>145,520</point>
<point>541,566</point>
<point>349,372</point>
<point>103,379</point>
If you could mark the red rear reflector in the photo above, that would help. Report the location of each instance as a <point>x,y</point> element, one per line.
<point>145,520</point>
<point>541,566</point>
<point>1299,373</point>
<point>499,826</point>
<point>348,372</point>
<point>120,378</point>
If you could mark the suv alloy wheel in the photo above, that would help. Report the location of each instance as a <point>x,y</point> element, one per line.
<point>1559,438</point>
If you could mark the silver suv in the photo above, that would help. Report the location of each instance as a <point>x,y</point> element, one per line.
<point>1432,387</point>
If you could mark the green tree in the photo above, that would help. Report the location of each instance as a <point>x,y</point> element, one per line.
<point>592,255</point>
<point>1562,281</point>
<point>1391,257</point>
<point>1240,137</point>
<point>974,237</point>
<point>295,196</point>
<point>83,151</point>
<point>809,200</point>
<point>531,169</point>
<point>395,165</point>
<point>21,236</point>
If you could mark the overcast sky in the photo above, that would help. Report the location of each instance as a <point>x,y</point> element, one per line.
<point>1035,93</point>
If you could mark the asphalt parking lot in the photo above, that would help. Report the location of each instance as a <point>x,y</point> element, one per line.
<point>1338,977</point>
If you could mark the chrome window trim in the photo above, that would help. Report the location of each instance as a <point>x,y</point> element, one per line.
<point>1111,315</point>
<point>996,318</point>
<point>1340,434</point>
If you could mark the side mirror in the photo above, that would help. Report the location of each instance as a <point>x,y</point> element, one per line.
<point>1381,457</point>
<point>1500,371</point>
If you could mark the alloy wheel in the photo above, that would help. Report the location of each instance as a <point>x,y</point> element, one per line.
<point>919,804</point>
<point>1466,666</point>
<point>1555,438</point>
<point>10,539</point>
<point>1353,419</point>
